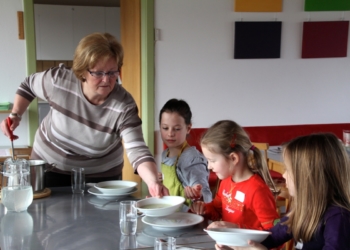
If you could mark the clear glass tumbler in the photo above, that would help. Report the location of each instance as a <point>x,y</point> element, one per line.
<point>128,217</point>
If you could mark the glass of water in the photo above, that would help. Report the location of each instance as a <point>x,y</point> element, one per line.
<point>128,217</point>
<point>78,180</point>
<point>16,191</point>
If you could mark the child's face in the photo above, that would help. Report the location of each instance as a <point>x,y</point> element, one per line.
<point>173,129</point>
<point>288,176</point>
<point>218,164</point>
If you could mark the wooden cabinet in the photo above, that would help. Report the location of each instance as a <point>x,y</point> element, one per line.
<point>58,28</point>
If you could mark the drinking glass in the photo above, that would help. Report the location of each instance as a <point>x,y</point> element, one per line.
<point>128,217</point>
<point>128,242</point>
<point>168,243</point>
<point>78,180</point>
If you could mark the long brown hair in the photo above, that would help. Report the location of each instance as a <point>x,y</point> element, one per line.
<point>320,170</point>
<point>226,136</point>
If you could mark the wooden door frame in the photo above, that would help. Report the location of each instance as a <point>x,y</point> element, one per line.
<point>137,38</point>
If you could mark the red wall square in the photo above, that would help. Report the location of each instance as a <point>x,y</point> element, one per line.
<point>325,39</point>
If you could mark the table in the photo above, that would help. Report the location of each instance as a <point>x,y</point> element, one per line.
<point>64,221</point>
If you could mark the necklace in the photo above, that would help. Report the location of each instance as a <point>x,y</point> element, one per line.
<point>228,195</point>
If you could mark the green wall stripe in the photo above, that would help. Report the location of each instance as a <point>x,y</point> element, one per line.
<point>147,74</point>
<point>29,31</point>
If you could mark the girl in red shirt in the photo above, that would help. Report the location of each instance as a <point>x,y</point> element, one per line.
<point>245,195</point>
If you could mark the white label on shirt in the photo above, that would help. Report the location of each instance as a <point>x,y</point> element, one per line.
<point>240,196</point>
<point>299,245</point>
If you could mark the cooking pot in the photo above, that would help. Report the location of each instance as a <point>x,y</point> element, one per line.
<point>37,171</point>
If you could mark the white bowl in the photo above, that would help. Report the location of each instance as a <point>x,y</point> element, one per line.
<point>236,236</point>
<point>115,187</point>
<point>160,206</point>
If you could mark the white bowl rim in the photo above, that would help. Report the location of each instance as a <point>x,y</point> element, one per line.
<point>181,201</point>
<point>237,231</point>
<point>92,190</point>
<point>129,184</point>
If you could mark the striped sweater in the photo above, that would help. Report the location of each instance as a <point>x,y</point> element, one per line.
<point>76,133</point>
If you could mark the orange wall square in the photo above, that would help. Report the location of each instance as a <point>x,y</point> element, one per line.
<point>258,5</point>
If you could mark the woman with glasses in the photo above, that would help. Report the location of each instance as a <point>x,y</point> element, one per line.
<point>90,114</point>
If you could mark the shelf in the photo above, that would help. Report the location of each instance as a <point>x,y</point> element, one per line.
<point>5,111</point>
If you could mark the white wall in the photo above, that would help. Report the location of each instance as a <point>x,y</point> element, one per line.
<point>194,62</point>
<point>12,64</point>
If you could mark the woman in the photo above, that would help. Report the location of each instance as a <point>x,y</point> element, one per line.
<point>89,116</point>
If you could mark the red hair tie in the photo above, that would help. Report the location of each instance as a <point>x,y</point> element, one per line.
<point>233,143</point>
<point>252,147</point>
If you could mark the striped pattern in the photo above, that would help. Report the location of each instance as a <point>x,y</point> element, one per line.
<point>76,133</point>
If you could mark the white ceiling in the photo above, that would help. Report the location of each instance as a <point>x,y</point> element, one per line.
<point>106,3</point>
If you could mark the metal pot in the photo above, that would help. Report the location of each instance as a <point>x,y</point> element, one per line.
<point>37,171</point>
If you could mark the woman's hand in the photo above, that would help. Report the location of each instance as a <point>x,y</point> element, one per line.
<point>252,246</point>
<point>157,189</point>
<point>7,130</point>
<point>149,174</point>
<point>194,192</point>
<point>198,207</point>
<point>222,224</point>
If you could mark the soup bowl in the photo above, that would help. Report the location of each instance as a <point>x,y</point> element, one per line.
<point>116,187</point>
<point>236,236</point>
<point>158,207</point>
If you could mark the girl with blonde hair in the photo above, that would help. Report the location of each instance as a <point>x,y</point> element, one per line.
<point>318,179</point>
<point>244,197</point>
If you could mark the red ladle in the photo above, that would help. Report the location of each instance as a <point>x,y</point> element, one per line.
<point>9,123</point>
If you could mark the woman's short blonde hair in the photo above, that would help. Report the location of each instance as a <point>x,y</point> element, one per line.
<point>94,48</point>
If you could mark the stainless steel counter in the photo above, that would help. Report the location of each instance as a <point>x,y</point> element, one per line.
<point>64,221</point>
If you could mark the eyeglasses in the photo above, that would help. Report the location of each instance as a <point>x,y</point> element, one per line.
<point>101,74</point>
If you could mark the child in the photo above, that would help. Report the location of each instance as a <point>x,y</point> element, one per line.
<point>244,197</point>
<point>317,176</point>
<point>184,168</point>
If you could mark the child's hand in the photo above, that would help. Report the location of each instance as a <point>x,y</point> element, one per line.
<point>160,177</point>
<point>194,192</point>
<point>222,224</point>
<point>198,207</point>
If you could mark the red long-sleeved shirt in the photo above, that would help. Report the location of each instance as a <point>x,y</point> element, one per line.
<point>249,203</point>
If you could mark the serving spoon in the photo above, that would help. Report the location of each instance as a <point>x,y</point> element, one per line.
<point>9,123</point>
